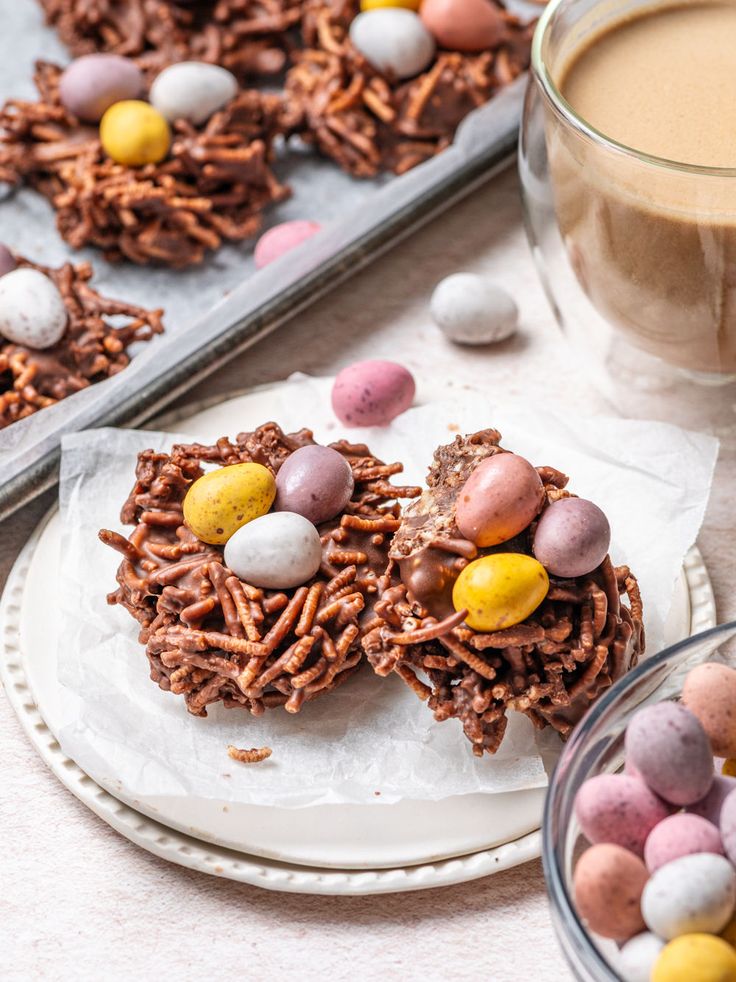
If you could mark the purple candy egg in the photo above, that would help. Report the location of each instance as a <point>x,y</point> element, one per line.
<point>680,835</point>
<point>316,482</point>
<point>93,83</point>
<point>7,260</point>
<point>619,809</point>
<point>372,393</point>
<point>669,747</point>
<point>728,826</point>
<point>572,537</point>
<point>710,806</point>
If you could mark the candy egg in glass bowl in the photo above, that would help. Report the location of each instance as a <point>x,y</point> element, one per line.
<point>597,747</point>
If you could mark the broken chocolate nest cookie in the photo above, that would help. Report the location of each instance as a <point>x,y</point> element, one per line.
<point>550,666</point>
<point>212,637</point>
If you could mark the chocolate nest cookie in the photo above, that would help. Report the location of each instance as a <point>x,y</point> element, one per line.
<point>92,348</point>
<point>368,123</point>
<point>549,667</point>
<point>212,187</point>
<point>211,637</point>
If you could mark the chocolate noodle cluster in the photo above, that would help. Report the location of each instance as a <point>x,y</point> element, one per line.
<point>211,637</point>
<point>93,347</point>
<point>550,667</point>
<point>212,187</point>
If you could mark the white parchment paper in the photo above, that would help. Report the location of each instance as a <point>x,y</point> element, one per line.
<point>372,740</point>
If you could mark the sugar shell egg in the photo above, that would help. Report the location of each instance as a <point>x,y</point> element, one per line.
<point>608,883</point>
<point>637,957</point>
<point>711,805</point>
<point>316,482</point>
<point>572,538</point>
<point>470,310</point>
<point>695,958</point>
<point>690,895</point>
<point>192,90</point>
<point>276,552</point>
<point>280,239</point>
<point>93,83</point>
<point>620,809</point>
<point>710,693</point>
<point>680,835</point>
<point>133,133</point>
<point>7,260</point>
<point>463,25</point>
<point>500,498</point>
<point>223,500</point>
<point>728,826</point>
<point>393,40</point>
<point>32,310</point>
<point>500,590</point>
<point>372,393</point>
<point>670,749</point>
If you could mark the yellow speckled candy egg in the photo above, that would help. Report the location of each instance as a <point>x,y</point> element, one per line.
<point>134,133</point>
<point>696,958</point>
<point>378,4</point>
<point>499,591</point>
<point>222,501</point>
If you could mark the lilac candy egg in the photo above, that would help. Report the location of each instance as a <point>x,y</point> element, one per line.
<point>572,537</point>
<point>7,260</point>
<point>316,482</point>
<point>93,83</point>
<point>670,749</point>
<point>680,835</point>
<point>710,806</point>
<point>619,809</point>
<point>372,393</point>
<point>282,239</point>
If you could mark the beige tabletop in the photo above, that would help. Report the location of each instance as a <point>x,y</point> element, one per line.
<point>80,902</point>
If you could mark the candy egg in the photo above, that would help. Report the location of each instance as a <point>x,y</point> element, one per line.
<point>710,806</point>
<point>469,310</point>
<point>620,809</point>
<point>192,90</point>
<point>282,239</point>
<point>93,83</point>
<point>572,538</point>
<point>7,260</point>
<point>378,4</point>
<point>728,768</point>
<point>499,591</point>
<point>669,748</point>
<point>134,133</point>
<point>689,895</point>
<point>222,501</point>
<point>680,835</point>
<point>372,393</point>
<point>32,310</point>
<point>276,552</point>
<point>695,958</point>
<point>728,826</point>
<point>499,499</point>
<point>463,25</point>
<point>393,40</point>
<point>608,884</point>
<point>637,957</point>
<point>316,482</point>
<point>710,693</point>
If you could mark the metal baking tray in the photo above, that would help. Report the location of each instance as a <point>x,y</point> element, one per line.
<point>386,212</point>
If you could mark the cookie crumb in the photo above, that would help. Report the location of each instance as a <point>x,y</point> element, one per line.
<point>252,756</point>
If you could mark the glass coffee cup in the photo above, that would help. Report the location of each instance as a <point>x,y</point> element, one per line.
<point>637,253</point>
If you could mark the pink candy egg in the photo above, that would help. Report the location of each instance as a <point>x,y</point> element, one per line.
<point>608,884</point>
<point>372,393</point>
<point>710,693</point>
<point>282,239</point>
<point>499,499</point>
<point>463,25</point>
<point>728,826</point>
<point>619,809</point>
<point>680,835</point>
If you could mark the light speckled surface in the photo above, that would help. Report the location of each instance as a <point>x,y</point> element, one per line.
<point>81,903</point>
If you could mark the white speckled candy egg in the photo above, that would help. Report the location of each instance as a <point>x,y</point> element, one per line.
<point>192,90</point>
<point>393,40</point>
<point>277,551</point>
<point>32,311</point>
<point>470,310</point>
<point>637,957</point>
<point>690,895</point>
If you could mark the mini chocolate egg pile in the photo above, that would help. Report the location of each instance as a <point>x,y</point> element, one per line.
<point>659,874</point>
<point>503,596</point>
<point>57,334</point>
<point>254,579</point>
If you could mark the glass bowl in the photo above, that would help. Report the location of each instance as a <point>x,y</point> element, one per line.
<point>596,747</point>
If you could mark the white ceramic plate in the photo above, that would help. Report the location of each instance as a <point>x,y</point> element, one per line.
<point>410,845</point>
